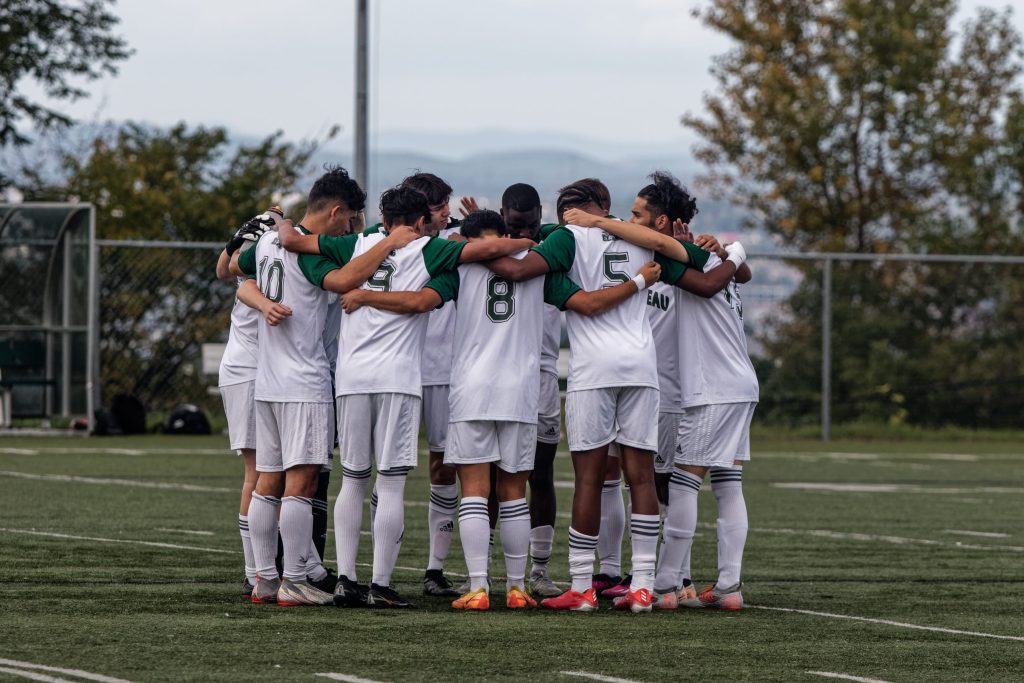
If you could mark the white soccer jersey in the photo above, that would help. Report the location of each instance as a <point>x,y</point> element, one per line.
<point>292,365</point>
<point>714,364</point>
<point>662,313</point>
<point>238,364</point>
<point>552,339</point>
<point>614,349</point>
<point>380,351</point>
<point>437,351</point>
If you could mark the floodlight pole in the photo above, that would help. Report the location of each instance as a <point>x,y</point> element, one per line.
<point>362,97</point>
<point>826,350</point>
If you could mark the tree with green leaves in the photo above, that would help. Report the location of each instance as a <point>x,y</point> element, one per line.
<point>51,45</point>
<point>873,126</point>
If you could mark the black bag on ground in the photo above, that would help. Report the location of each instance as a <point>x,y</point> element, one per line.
<point>187,419</point>
<point>129,413</point>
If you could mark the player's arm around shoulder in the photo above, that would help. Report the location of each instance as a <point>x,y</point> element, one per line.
<point>356,271</point>
<point>707,284</point>
<point>710,243</point>
<point>604,300</point>
<point>631,232</point>
<point>434,294</point>
<point>250,295</point>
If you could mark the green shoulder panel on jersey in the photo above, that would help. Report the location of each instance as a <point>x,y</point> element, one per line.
<point>446,285</point>
<point>440,255</point>
<point>698,257</point>
<point>547,228</point>
<point>338,249</point>
<point>671,270</point>
<point>558,289</point>
<point>558,249</point>
<point>376,227</point>
<point>247,261</point>
<point>316,267</point>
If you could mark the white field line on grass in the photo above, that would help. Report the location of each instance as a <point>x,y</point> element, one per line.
<point>71,672</point>
<point>347,678</point>
<point>982,534</point>
<point>891,488</point>
<point>597,677</point>
<point>190,532</point>
<point>53,450</point>
<point>845,677</point>
<point>98,539</point>
<point>854,536</point>
<point>118,482</point>
<point>18,451</point>
<point>887,622</point>
<point>32,676</point>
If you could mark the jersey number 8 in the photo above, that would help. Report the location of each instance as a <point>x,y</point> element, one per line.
<point>501,299</point>
<point>271,281</point>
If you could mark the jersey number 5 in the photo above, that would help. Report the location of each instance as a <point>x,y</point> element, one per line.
<point>271,281</point>
<point>615,276</point>
<point>501,299</point>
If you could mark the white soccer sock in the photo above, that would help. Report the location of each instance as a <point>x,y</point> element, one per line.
<point>263,514</point>
<point>515,540</point>
<point>643,536</point>
<point>348,519</point>
<point>474,525</point>
<point>680,524</point>
<point>613,523</point>
<point>727,485</point>
<point>389,524</point>
<point>296,535</point>
<point>250,563</point>
<point>315,564</point>
<point>581,560</point>
<point>444,503</point>
<point>541,540</point>
<point>373,511</point>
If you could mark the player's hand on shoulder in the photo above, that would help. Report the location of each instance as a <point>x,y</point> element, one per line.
<point>651,272</point>
<point>468,206</point>
<point>709,243</point>
<point>275,313</point>
<point>580,217</point>
<point>352,300</point>
<point>252,230</point>
<point>681,230</point>
<point>399,237</point>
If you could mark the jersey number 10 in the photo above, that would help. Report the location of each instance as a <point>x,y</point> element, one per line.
<point>271,281</point>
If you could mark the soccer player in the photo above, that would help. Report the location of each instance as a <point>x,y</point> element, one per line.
<point>378,386</point>
<point>437,371</point>
<point>237,373</point>
<point>292,394</point>
<point>494,394</point>
<point>718,390</point>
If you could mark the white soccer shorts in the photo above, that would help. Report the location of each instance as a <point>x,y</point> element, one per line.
<point>549,409</point>
<point>240,410</point>
<point>512,445</point>
<point>714,435</point>
<point>435,416</point>
<point>291,434</point>
<point>378,429</point>
<point>626,415</point>
<point>668,432</point>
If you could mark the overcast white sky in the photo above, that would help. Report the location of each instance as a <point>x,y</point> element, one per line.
<point>616,71</point>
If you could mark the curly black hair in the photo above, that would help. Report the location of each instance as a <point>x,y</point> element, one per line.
<point>432,187</point>
<point>403,206</point>
<point>667,196</point>
<point>333,186</point>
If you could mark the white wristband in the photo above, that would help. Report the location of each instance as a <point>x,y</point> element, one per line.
<point>641,283</point>
<point>736,260</point>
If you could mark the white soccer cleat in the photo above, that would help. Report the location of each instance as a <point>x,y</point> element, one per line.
<point>295,593</point>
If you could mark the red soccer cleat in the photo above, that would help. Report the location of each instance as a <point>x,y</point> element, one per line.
<point>573,601</point>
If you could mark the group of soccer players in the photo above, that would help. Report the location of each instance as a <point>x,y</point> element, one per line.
<point>460,323</point>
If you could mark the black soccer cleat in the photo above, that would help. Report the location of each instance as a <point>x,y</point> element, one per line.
<point>348,593</point>
<point>385,597</point>
<point>435,584</point>
<point>326,584</point>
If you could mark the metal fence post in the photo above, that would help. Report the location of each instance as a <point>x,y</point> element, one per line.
<point>826,349</point>
<point>92,350</point>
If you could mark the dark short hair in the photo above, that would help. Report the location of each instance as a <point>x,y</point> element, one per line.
<point>520,197</point>
<point>430,186</point>
<point>403,206</point>
<point>667,196</point>
<point>604,197</point>
<point>479,221</point>
<point>336,186</point>
<point>575,195</point>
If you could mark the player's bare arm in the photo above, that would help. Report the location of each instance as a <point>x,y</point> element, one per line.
<point>486,250</point>
<point>603,300</point>
<point>710,243</point>
<point>710,283</point>
<point>517,270</point>
<point>631,232</point>
<point>295,242</point>
<point>360,269</point>
<point>422,301</point>
<point>223,267</point>
<point>250,295</point>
